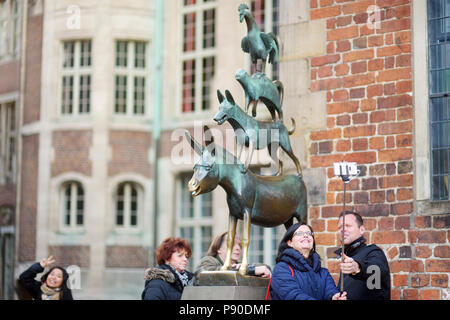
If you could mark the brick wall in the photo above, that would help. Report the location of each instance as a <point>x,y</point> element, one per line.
<point>9,76</point>
<point>367,77</point>
<point>28,204</point>
<point>130,153</point>
<point>71,152</point>
<point>33,74</point>
<point>70,255</point>
<point>127,257</point>
<point>8,195</point>
<point>29,167</point>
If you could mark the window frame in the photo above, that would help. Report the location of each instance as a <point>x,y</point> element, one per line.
<point>197,55</point>
<point>76,72</point>
<point>126,226</point>
<point>421,171</point>
<point>131,73</point>
<point>13,30</point>
<point>270,240</point>
<point>73,226</point>
<point>196,221</point>
<point>6,134</point>
<point>434,96</point>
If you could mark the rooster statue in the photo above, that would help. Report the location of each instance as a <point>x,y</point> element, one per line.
<point>257,43</point>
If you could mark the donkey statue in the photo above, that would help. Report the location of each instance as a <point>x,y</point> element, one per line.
<point>259,87</point>
<point>266,201</point>
<point>256,134</point>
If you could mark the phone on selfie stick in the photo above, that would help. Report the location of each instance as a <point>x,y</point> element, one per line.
<point>344,170</point>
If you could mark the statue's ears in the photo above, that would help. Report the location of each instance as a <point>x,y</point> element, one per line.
<point>220,96</point>
<point>229,97</point>
<point>209,140</point>
<point>198,148</point>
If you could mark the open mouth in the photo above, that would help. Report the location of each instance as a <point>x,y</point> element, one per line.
<point>196,191</point>
<point>221,120</point>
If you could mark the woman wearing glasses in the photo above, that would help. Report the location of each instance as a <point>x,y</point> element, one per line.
<point>298,274</point>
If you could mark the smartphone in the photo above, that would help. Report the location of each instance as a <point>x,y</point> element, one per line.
<point>346,169</point>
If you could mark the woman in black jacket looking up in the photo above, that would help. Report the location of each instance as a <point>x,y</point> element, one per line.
<point>168,279</point>
<point>53,284</point>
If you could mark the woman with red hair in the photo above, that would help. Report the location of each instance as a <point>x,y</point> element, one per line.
<point>168,279</point>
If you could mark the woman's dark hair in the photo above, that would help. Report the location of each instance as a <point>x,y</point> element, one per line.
<point>66,293</point>
<point>289,235</point>
<point>216,244</point>
<point>169,246</point>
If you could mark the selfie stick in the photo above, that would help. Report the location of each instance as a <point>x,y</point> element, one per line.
<point>346,180</point>
<point>344,170</point>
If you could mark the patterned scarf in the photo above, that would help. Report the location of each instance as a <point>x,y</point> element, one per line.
<point>182,276</point>
<point>50,294</point>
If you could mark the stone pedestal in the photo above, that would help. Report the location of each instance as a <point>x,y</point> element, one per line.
<point>226,285</point>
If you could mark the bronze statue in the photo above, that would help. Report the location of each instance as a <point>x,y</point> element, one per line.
<point>259,87</point>
<point>257,43</point>
<point>266,201</point>
<point>256,134</point>
<point>262,200</point>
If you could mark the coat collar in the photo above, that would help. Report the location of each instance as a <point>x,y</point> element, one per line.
<point>296,260</point>
<point>352,248</point>
<point>166,273</point>
<point>162,272</point>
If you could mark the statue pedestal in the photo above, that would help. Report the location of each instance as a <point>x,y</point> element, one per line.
<point>226,285</point>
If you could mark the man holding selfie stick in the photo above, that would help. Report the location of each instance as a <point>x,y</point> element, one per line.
<point>364,268</point>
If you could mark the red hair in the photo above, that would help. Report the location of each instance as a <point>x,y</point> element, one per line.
<point>169,246</point>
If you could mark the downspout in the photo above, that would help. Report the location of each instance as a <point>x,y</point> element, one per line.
<point>159,34</point>
<point>19,121</point>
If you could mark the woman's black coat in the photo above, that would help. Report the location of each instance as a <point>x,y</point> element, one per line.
<point>162,283</point>
<point>373,263</point>
<point>26,279</point>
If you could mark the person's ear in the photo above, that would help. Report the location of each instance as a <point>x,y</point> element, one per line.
<point>362,229</point>
<point>289,243</point>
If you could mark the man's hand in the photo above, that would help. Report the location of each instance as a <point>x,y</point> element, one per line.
<point>349,266</point>
<point>263,272</point>
<point>47,262</point>
<point>339,296</point>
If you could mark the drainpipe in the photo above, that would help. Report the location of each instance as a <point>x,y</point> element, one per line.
<point>159,34</point>
<point>19,121</point>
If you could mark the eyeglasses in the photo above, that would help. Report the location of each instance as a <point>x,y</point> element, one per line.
<point>302,233</point>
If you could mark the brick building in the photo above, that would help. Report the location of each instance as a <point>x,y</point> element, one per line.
<point>10,69</point>
<point>386,109</point>
<point>81,173</point>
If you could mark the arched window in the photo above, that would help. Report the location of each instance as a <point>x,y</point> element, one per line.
<point>127,205</point>
<point>194,218</point>
<point>73,205</point>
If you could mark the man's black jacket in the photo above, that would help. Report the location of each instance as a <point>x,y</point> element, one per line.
<point>373,263</point>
